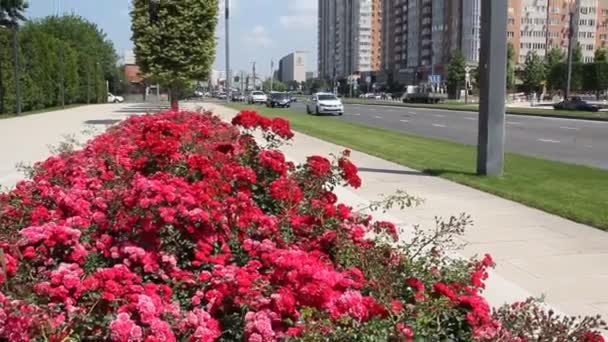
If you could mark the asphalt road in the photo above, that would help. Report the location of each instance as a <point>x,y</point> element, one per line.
<point>573,141</point>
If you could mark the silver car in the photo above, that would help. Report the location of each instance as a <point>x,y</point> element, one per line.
<point>324,103</point>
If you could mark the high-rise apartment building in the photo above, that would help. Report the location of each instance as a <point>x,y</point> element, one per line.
<point>350,37</point>
<point>293,67</point>
<point>419,37</point>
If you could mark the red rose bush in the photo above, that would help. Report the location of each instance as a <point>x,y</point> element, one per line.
<point>180,227</point>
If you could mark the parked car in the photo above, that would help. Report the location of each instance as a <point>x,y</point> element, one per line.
<point>278,100</point>
<point>115,99</point>
<point>257,96</point>
<point>238,97</point>
<point>222,96</point>
<point>577,103</point>
<point>324,103</point>
<point>199,93</point>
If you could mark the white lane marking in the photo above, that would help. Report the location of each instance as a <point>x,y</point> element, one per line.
<point>378,117</point>
<point>470,118</point>
<point>404,121</point>
<point>373,110</point>
<point>571,128</point>
<point>412,113</point>
<point>439,115</point>
<point>356,114</point>
<point>439,125</point>
<point>549,141</point>
<point>513,123</point>
<point>588,146</point>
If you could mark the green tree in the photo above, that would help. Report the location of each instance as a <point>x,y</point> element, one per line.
<point>276,85</point>
<point>11,14</point>
<point>554,57</point>
<point>456,73</point>
<point>510,66</point>
<point>95,53</point>
<point>174,40</point>
<point>577,53</point>
<point>601,55</point>
<point>534,73</point>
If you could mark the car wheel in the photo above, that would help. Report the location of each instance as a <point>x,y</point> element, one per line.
<point>340,114</point>
<point>308,110</point>
<point>317,111</point>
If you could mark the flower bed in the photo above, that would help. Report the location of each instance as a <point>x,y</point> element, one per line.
<point>177,226</point>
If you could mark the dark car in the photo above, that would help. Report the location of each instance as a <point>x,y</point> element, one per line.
<point>238,97</point>
<point>278,100</point>
<point>577,103</point>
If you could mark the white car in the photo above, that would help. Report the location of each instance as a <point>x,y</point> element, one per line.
<point>257,97</point>
<point>115,99</point>
<point>324,103</point>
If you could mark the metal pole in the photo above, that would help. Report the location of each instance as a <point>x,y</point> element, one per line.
<point>17,72</point>
<point>228,77</point>
<point>254,88</point>
<point>88,82</point>
<point>271,74</point>
<point>493,64</point>
<point>572,40</point>
<point>61,76</point>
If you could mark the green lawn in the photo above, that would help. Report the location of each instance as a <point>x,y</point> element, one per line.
<point>576,192</point>
<point>40,111</point>
<point>475,107</point>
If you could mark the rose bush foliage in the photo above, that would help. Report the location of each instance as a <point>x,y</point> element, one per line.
<point>180,227</point>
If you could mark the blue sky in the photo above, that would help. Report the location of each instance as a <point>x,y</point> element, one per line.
<point>260,29</point>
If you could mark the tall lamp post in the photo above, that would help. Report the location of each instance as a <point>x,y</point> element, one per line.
<point>572,40</point>
<point>228,76</point>
<point>493,72</point>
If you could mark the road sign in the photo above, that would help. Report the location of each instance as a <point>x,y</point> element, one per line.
<point>467,69</point>
<point>368,79</point>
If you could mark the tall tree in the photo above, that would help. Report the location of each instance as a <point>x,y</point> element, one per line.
<point>276,85</point>
<point>554,57</point>
<point>510,66</point>
<point>11,14</point>
<point>601,55</point>
<point>456,73</point>
<point>174,40</point>
<point>534,72</point>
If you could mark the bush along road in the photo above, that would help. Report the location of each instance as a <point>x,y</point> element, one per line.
<point>177,226</point>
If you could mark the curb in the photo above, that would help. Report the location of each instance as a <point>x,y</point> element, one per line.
<point>509,111</point>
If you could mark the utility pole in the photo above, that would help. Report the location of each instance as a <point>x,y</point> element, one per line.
<point>88,82</point>
<point>572,40</point>
<point>254,88</point>
<point>17,72</point>
<point>61,76</point>
<point>493,69</point>
<point>228,76</point>
<point>61,65</point>
<point>271,74</point>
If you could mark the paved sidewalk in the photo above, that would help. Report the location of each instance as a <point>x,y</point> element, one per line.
<point>28,139</point>
<point>537,253</point>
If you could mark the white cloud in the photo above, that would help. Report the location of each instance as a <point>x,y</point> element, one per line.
<point>260,37</point>
<point>298,22</point>
<point>302,15</point>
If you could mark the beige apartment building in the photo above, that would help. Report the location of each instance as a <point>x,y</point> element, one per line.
<point>412,39</point>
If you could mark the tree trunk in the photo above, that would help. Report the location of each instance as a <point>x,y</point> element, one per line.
<point>16,73</point>
<point>173,95</point>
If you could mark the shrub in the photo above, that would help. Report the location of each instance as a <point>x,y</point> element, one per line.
<point>177,226</point>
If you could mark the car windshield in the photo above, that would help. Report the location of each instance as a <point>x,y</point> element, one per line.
<point>279,96</point>
<point>257,93</point>
<point>326,97</point>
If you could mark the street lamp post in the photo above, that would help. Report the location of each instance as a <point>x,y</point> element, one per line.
<point>572,39</point>
<point>228,76</point>
<point>17,72</point>
<point>493,69</point>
